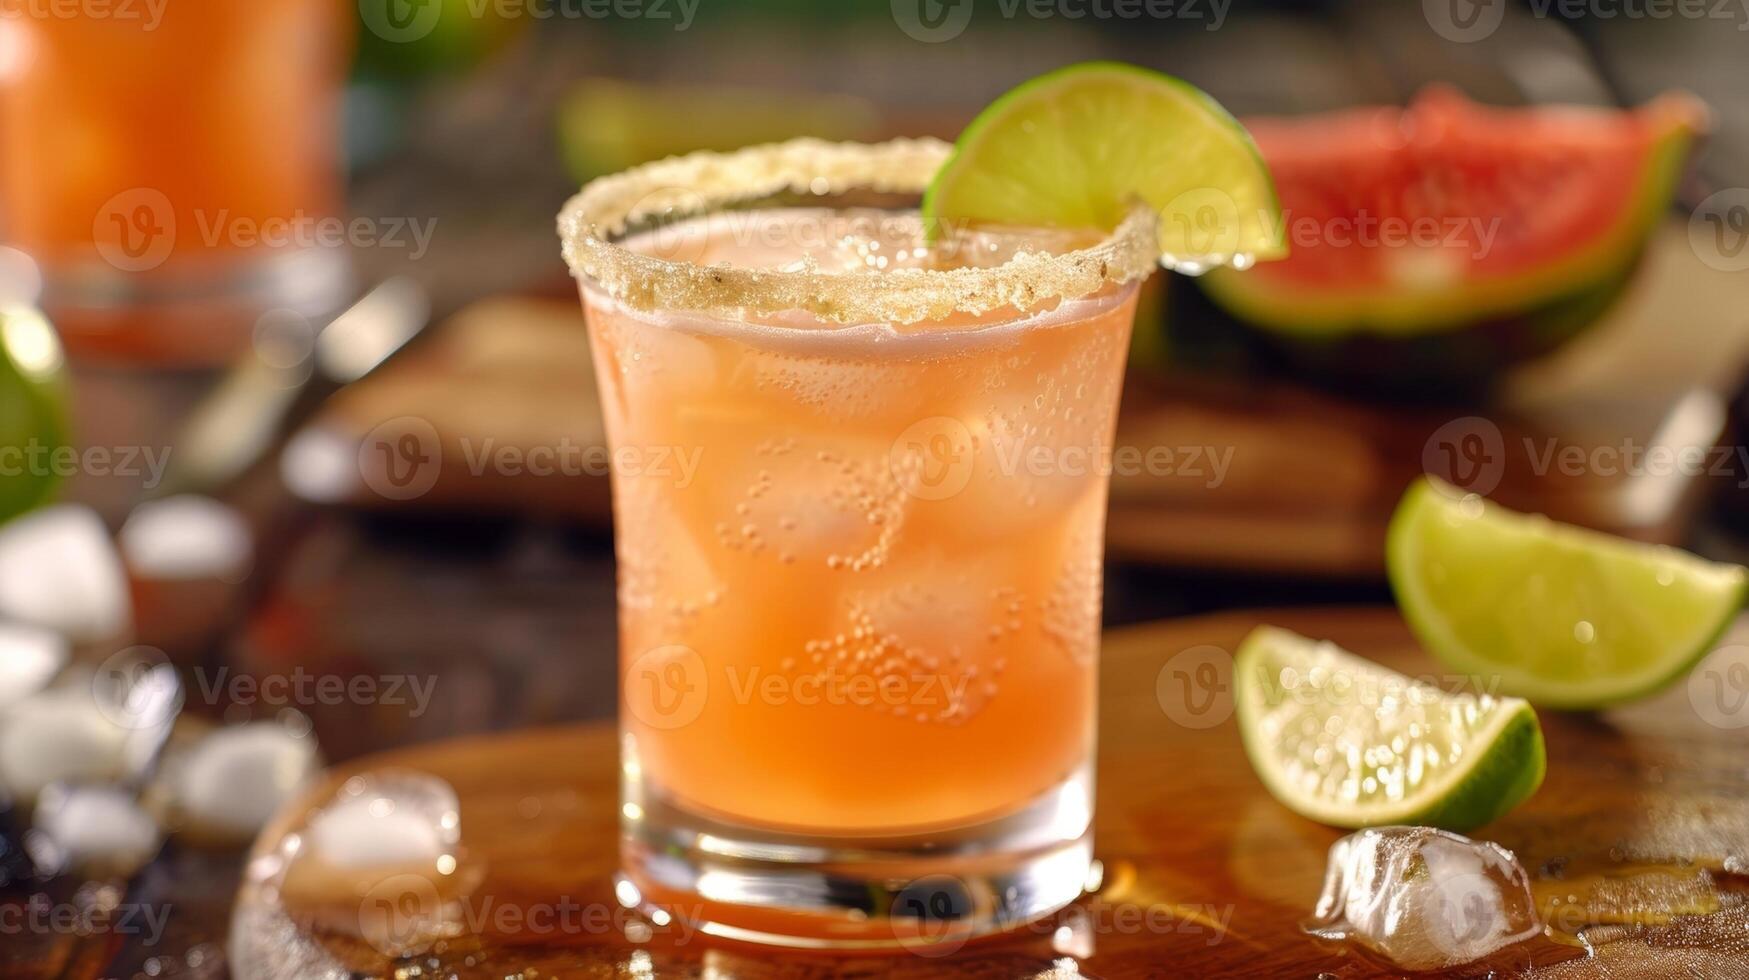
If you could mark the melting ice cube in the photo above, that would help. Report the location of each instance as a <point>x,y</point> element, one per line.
<point>60,735</point>
<point>29,659</point>
<point>237,778</point>
<point>59,570</point>
<point>184,537</point>
<point>386,848</point>
<point>1424,899</point>
<point>388,818</point>
<point>99,829</point>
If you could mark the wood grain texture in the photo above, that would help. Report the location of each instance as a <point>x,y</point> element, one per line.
<point>1205,874</point>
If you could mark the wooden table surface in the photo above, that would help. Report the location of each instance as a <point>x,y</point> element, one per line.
<point>1204,874</point>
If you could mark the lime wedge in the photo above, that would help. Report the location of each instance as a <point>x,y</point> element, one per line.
<point>1346,742</point>
<point>1567,617</point>
<point>1077,147</point>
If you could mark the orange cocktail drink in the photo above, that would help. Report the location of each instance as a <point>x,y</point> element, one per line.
<point>159,152</point>
<point>859,495</point>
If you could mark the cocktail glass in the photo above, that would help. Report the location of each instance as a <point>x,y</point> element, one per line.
<point>859,488</point>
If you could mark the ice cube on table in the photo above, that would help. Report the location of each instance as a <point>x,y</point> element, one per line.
<point>97,829</point>
<point>1424,899</point>
<point>60,735</point>
<point>233,781</point>
<point>184,537</point>
<point>386,819</point>
<point>139,691</point>
<point>59,570</point>
<point>29,659</point>
<point>382,860</point>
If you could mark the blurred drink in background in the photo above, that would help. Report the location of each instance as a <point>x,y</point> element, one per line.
<point>174,166</point>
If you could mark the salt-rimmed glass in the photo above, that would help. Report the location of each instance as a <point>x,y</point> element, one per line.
<point>859,496</point>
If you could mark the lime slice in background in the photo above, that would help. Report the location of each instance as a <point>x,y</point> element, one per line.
<point>1076,147</point>
<point>1346,742</point>
<point>33,409</point>
<point>1564,616</point>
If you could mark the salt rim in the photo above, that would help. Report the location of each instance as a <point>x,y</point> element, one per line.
<point>702,181</point>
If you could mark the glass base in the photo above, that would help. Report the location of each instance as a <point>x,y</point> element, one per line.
<point>199,317</point>
<point>929,893</point>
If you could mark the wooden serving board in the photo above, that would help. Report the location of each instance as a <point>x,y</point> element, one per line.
<point>1205,875</point>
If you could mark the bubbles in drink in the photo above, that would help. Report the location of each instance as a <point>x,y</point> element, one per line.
<point>674,584</point>
<point>830,504</point>
<point>833,388</point>
<point>1070,613</point>
<point>1424,899</point>
<point>927,640</point>
<point>669,360</point>
<point>1039,430</point>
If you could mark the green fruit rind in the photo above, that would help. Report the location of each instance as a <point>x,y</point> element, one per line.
<point>1075,148</point>
<point>1506,775</point>
<point>1379,311</point>
<point>1436,365</point>
<point>33,400</point>
<point>1505,763</point>
<point>1651,611</point>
